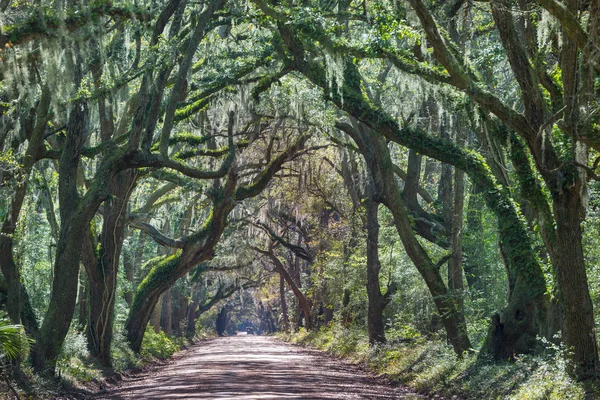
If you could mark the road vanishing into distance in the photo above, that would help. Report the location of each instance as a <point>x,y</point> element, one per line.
<point>254,367</point>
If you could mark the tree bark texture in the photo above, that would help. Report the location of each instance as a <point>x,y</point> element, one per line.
<point>103,273</point>
<point>377,300</point>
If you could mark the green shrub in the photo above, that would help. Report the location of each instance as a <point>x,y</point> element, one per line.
<point>158,345</point>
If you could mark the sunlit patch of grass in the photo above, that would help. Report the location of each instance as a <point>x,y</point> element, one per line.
<point>430,366</point>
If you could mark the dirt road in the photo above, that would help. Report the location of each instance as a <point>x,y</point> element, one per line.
<point>254,367</point>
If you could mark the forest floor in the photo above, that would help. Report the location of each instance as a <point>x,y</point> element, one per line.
<point>254,367</point>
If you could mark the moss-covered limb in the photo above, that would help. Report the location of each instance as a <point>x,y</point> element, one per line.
<point>464,81</point>
<point>175,178</point>
<point>43,25</point>
<point>88,152</point>
<point>189,139</point>
<point>224,292</point>
<point>265,82</point>
<point>457,75</point>
<point>272,12</point>
<point>154,197</point>
<point>429,226</point>
<point>165,271</point>
<point>145,158</point>
<point>139,159</point>
<point>513,232</point>
<point>263,178</point>
<point>92,152</point>
<point>161,274</point>
<point>402,60</point>
<point>187,154</point>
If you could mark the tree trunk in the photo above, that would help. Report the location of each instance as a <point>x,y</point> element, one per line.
<point>103,274</point>
<point>74,224</point>
<point>180,303</point>
<point>579,317</point>
<point>473,244</point>
<point>196,295</point>
<point>284,307</point>
<point>8,266</point>
<point>129,268</point>
<point>166,317</point>
<point>377,301</point>
<point>222,321</point>
<point>302,300</point>
<point>166,271</point>
<point>156,314</point>
<point>200,246</point>
<point>11,273</point>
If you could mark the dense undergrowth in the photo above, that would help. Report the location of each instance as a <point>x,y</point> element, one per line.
<point>430,366</point>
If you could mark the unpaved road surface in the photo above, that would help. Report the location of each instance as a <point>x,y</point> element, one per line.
<point>254,367</point>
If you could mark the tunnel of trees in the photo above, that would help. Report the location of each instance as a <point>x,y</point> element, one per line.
<point>410,167</point>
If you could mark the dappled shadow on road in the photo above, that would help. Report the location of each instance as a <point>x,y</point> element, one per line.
<point>251,367</point>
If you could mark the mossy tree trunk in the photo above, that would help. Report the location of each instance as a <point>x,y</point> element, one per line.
<point>102,274</point>
<point>76,214</point>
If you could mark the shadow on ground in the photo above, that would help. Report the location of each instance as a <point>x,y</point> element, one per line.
<point>255,367</point>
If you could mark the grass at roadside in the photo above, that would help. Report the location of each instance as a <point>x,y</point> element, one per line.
<point>431,367</point>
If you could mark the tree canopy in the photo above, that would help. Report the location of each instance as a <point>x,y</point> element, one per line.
<point>370,163</point>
